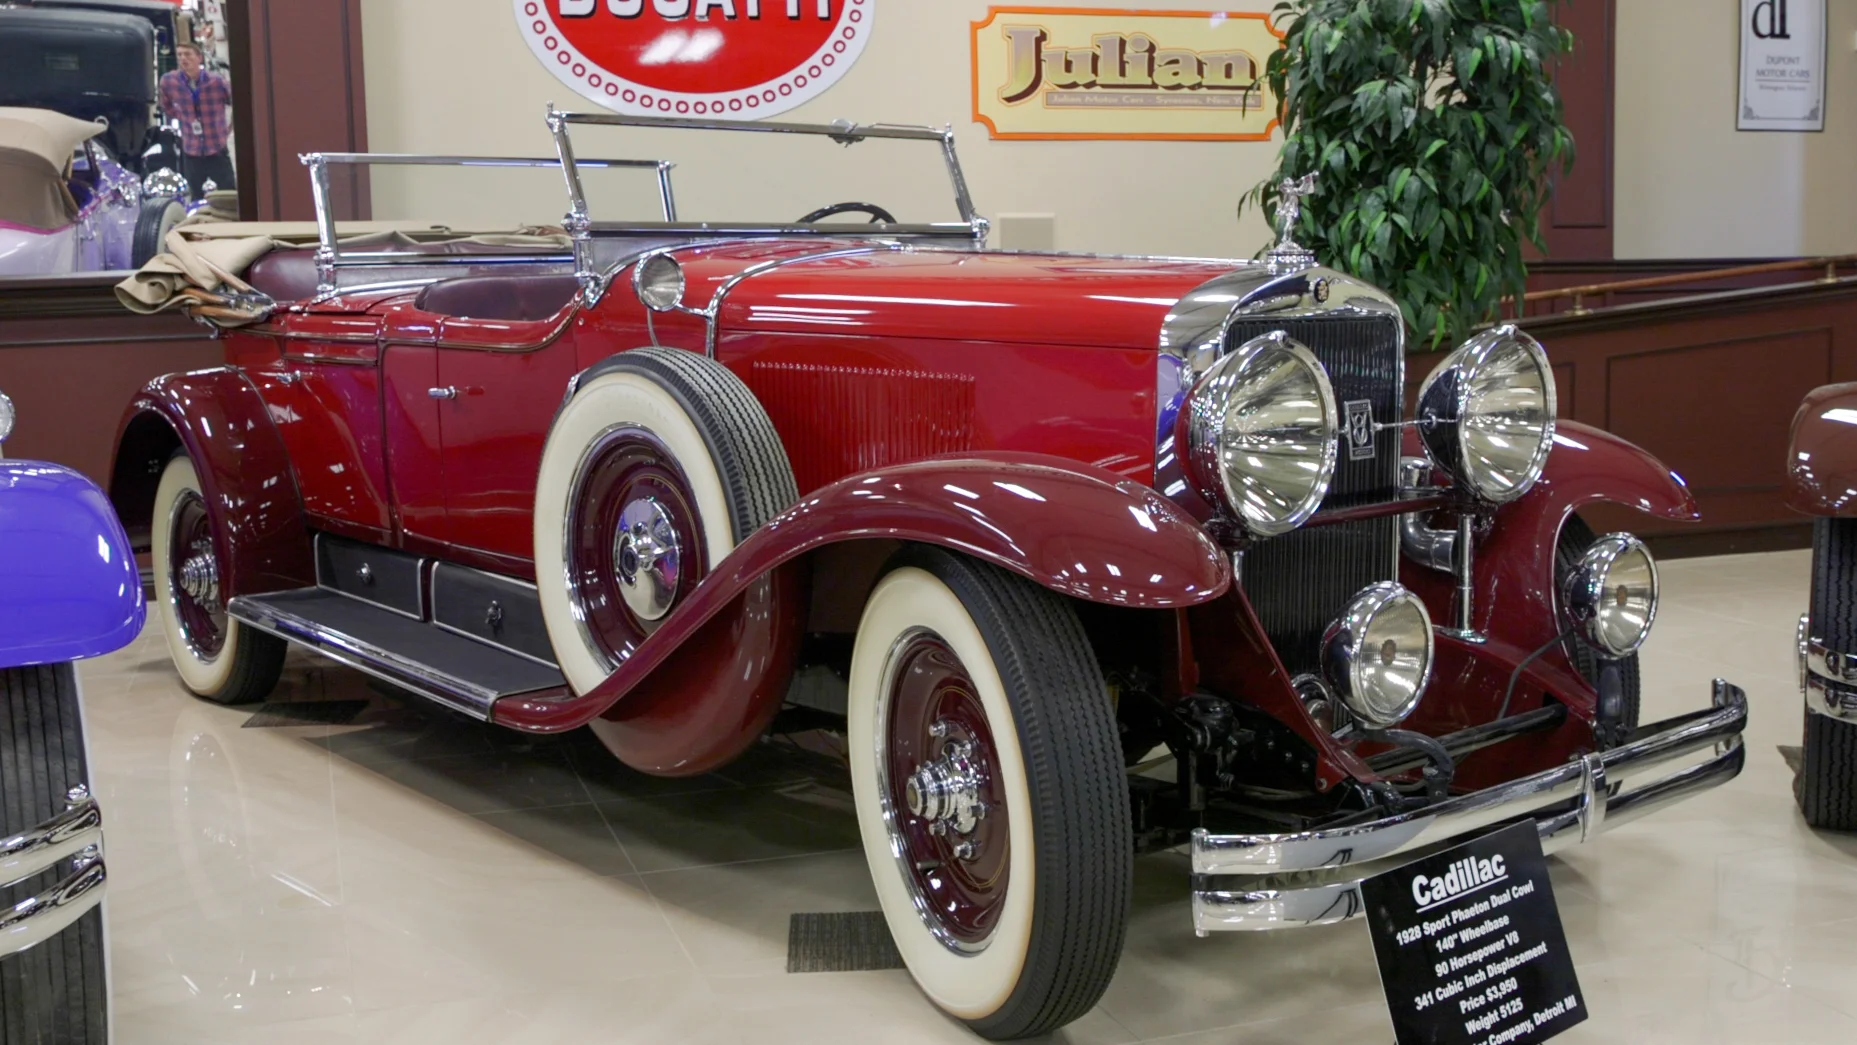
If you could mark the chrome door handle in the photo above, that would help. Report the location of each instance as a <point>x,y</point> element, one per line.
<point>448,392</point>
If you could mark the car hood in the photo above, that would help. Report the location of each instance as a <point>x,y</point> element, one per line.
<point>967,295</point>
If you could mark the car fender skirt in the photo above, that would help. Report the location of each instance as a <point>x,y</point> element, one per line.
<point>68,560</point>
<point>218,418</point>
<point>1079,530</point>
<point>1821,463</point>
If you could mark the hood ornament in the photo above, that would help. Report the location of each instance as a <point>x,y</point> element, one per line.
<point>1288,255</point>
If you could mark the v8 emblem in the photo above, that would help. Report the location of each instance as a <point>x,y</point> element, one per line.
<point>1359,434</point>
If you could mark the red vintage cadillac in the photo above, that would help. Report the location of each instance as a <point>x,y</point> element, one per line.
<point>1100,555</point>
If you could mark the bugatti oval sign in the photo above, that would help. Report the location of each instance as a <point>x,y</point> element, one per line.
<point>737,59</point>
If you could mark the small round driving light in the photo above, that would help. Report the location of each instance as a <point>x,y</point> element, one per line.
<point>6,417</point>
<point>1261,434</point>
<point>659,282</point>
<point>1610,595</point>
<point>1378,655</point>
<point>1486,414</point>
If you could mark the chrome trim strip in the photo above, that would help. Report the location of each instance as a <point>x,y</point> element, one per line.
<point>713,312</point>
<point>36,919</point>
<point>455,693</point>
<point>1569,805</point>
<point>39,849</point>
<point>1672,740</point>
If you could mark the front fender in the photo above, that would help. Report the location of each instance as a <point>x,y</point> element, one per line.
<point>1079,530</point>
<point>1515,562</point>
<point>1821,461</point>
<point>69,587</point>
<point>224,425</point>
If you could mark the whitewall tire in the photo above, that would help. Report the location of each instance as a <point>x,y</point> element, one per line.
<point>990,793</point>
<point>656,468</point>
<point>217,657</point>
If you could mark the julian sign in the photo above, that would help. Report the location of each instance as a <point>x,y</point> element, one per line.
<point>739,59</point>
<point>1049,72</point>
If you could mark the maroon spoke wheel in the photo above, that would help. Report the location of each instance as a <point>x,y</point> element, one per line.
<point>193,576</point>
<point>990,792</point>
<point>217,657</point>
<point>943,793</point>
<point>634,540</point>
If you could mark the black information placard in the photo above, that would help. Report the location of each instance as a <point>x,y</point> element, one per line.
<point>1470,945</point>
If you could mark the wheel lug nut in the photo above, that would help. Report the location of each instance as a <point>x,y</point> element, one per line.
<point>964,851</point>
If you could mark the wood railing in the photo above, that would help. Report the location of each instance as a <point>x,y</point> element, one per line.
<point>1828,267</point>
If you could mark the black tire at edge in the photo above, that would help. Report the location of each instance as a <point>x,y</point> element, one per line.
<point>152,223</point>
<point>1079,791</point>
<point>1827,784</point>
<point>1576,537</point>
<point>57,991</point>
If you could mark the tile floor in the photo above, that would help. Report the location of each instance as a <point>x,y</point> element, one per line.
<point>408,877</point>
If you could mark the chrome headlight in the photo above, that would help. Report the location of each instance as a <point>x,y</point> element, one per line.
<point>1611,594</point>
<point>1261,434</point>
<point>659,281</point>
<point>165,181</point>
<point>6,417</point>
<point>1378,655</point>
<point>1486,414</point>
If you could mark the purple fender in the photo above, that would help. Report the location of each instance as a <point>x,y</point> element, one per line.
<point>1821,462</point>
<point>1079,530</point>
<point>69,587</point>
<point>222,423</point>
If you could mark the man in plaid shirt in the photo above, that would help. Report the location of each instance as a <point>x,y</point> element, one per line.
<point>202,101</point>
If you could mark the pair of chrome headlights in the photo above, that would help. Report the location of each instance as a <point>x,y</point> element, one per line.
<point>1263,434</point>
<point>1378,654</point>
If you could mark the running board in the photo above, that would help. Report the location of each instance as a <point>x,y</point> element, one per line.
<point>441,665</point>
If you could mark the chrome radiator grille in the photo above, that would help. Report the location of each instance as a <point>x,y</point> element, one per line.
<point>1300,582</point>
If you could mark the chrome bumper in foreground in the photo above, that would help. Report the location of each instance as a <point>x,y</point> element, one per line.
<point>74,836</point>
<point>1254,882</point>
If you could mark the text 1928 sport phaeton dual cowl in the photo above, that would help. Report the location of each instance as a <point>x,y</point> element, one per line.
<point>1109,554</point>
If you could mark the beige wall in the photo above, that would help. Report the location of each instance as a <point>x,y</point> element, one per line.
<point>1686,183</point>
<point>454,76</point>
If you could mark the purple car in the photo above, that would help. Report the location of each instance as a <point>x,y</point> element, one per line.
<point>69,589</point>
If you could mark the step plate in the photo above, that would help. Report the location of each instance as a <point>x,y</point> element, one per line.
<point>455,671</point>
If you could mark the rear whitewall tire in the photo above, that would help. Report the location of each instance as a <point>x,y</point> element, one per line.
<point>247,664</point>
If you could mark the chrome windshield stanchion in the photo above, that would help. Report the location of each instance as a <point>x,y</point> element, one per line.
<point>326,251</point>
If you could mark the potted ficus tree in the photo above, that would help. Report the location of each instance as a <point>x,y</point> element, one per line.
<point>1434,126</point>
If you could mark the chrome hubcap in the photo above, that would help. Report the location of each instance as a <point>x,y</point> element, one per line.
<point>647,558</point>
<point>199,577</point>
<point>946,792</point>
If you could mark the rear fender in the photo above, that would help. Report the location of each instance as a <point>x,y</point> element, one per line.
<point>1078,530</point>
<point>1821,462</point>
<point>69,587</point>
<point>223,424</point>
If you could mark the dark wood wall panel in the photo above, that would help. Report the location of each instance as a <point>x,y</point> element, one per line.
<point>1732,448</point>
<point>1578,220</point>
<point>1707,385</point>
<point>299,87</point>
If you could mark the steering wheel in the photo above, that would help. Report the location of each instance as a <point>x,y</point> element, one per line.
<point>877,214</point>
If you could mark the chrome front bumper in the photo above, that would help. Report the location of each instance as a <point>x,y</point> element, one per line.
<point>73,839</point>
<point>1255,882</point>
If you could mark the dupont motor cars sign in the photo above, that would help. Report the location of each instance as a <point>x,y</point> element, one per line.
<point>738,59</point>
<point>1068,72</point>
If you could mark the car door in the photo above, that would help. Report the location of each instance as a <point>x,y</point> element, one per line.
<point>415,452</point>
<point>499,384</point>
